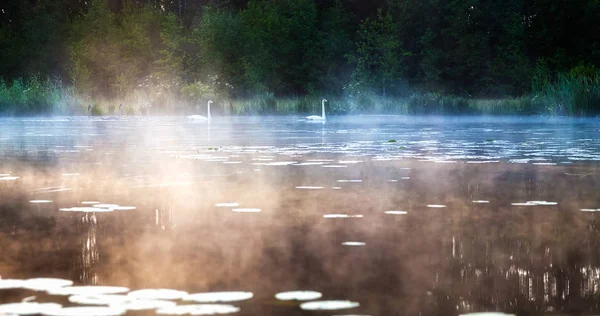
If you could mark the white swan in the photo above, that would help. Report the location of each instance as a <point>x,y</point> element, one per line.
<point>316,118</point>
<point>114,118</point>
<point>200,117</point>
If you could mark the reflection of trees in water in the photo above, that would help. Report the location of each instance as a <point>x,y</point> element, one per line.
<point>90,254</point>
<point>527,259</point>
<point>467,257</point>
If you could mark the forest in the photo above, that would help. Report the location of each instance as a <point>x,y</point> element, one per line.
<point>281,57</point>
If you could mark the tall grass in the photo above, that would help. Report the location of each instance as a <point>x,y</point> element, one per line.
<point>572,94</point>
<point>365,103</point>
<point>569,94</point>
<point>35,96</point>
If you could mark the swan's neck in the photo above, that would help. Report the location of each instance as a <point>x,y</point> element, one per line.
<point>323,109</point>
<point>208,111</point>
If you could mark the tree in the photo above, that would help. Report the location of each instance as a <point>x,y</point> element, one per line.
<point>216,50</point>
<point>281,45</point>
<point>115,51</point>
<point>379,56</point>
<point>335,44</point>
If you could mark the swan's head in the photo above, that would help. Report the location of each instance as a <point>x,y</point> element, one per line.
<point>210,101</point>
<point>324,100</point>
<point>120,105</point>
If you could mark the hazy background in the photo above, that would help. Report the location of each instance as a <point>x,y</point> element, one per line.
<point>413,56</point>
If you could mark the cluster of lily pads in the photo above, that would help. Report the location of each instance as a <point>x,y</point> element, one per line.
<point>117,300</point>
<point>97,207</point>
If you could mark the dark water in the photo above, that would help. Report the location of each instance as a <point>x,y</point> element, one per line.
<point>491,214</point>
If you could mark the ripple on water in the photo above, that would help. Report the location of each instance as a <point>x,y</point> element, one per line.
<point>233,204</point>
<point>534,203</point>
<point>436,205</point>
<point>6,284</point>
<point>298,295</point>
<point>158,294</point>
<point>482,161</point>
<point>139,305</point>
<point>480,201</point>
<point>100,299</point>
<point>329,305</point>
<point>85,311</point>
<point>45,284</point>
<point>583,210</point>
<point>309,164</point>
<point>305,187</point>
<point>105,205</point>
<point>276,163</point>
<point>342,216</point>
<point>27,308</point>
<point>199,309</point>
<point>87,290</point>
<point>40,201</point>
<point>217,297</point>
<point>8,178</point>
<point>396,212</point>
<point>354,243</point>
<point>99,208</point>
<point>487,314</point>
<point>85,209</point>
<point>123,208</point>
<point>246,210</point>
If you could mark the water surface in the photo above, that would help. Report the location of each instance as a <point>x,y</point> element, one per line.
<point>381,215</point>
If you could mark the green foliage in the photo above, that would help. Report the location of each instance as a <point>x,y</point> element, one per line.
<point>217,43</point>
<point>111,54</point>
<point>379,57</point>
<point>281,45</point>
<point>430,66</point>
<point>510,67</point>
<point>335,43</point>
<point>258,104</point>
<point>572,94</point>
<point>542,76</point>
<point>259,56</point>
<point>576,92</point>
<point>35,96</point>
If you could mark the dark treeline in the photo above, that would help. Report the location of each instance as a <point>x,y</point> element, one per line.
<point>235,49</point>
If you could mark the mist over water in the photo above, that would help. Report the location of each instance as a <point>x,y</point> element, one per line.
<point>380,215</point>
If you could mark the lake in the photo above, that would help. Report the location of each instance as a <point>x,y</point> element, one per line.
<point>363,215</point>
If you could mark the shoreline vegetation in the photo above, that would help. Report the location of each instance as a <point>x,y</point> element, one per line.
<point>512,57</point>
<point>571,95</point>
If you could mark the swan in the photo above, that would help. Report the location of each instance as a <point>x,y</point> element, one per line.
<point>316,118</point>
<point>89,111</point>
<point>145,109</point>
<point>200,117</point>
<point>114,118</point>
